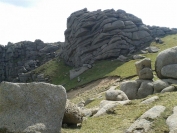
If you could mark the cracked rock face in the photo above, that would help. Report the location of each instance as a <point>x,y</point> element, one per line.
<point>105,34</point>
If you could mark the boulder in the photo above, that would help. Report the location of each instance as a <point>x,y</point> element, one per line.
<point>130,88</point>
<point>146,88</point>
<point>115,95</point>
<point>159,85</point>
<point>31,107</point>
<point>73,114</point>
<point>165,58</point>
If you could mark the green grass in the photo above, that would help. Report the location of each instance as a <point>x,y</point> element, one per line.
<point>58,72</point>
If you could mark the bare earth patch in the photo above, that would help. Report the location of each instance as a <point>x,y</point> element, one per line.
<point>95,87</point>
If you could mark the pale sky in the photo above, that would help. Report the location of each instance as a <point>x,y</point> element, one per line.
<point>22,20</point>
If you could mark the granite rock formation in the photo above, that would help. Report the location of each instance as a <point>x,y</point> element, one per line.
<point>105,34</point>
<point>18,59</point>
<point>31,107</point>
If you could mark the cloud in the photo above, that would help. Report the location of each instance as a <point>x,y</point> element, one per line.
<point>20,3</point>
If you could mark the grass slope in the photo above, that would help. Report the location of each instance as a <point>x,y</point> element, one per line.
<point>124,116</point>
<point>58,72</point>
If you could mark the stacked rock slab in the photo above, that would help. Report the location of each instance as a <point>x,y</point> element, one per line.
<point>143,69</point>
<point>31,107</point>
<point>105,34</point>
<point>19,58</point>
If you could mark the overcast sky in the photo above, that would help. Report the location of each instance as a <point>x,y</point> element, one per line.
<point>22,20</point>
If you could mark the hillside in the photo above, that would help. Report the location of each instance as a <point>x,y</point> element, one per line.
<point>58,72</point>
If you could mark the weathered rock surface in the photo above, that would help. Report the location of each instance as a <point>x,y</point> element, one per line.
<point>172,121</point>
<point>73,114</point>
<point>105,34</point>
<point>31,107</point>
<point>16,60</point>
<point>143,123</point>
<point>150,100</point>
<point>166,63</point>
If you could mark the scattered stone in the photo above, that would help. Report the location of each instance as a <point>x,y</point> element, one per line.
<point>116,95</point>
<point>150,100</point>
<point>153,113</point>
<point>122,58</point>
<point>168,89</point>
<point>143,52</point>
<point>172,121</point>
<point>136,57</point>
<point>31,107</point>
<point>77,71</point>
<point>152,49</point>
<point>106,105</point>
<point>158,40</point>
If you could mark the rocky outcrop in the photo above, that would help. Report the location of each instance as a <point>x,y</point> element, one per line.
<point>16,60</point>
<point>166,63</point>
<point>105,34</point>
<point>31,107</point>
